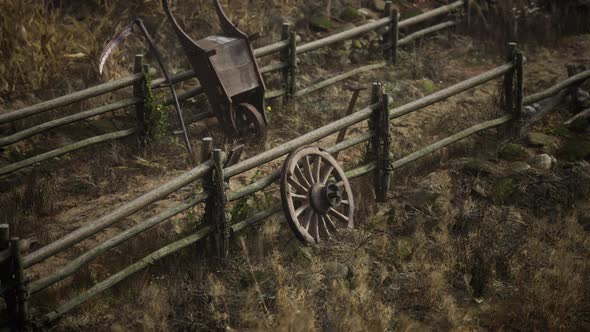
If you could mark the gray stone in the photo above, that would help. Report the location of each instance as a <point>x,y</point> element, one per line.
<point>518,167</point>
<point>542,161</point>
<point>421,197</point>
<point>367,13</point>
<point>541,140</point>
<point>379,5</point>
<point>335,270</point>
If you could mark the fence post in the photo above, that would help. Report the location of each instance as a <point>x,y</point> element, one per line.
<point>222,229</point>
<point>467,8</point>
<point>21,294</point>
<point>387,37</point>
<point>508,93</point>
<point>292,67</point>
<point>285,53</point>
<point>519,129</point>
<point>395,34</point>
<point>5,265</point>
<point>139,92</point>
<point>380,142</point>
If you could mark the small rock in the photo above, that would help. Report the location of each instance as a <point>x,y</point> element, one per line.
<point>480,190</point>
<point>350,14</point>
<point>379,5</point>
<point>335,270</point>
<point>541,140</point>
<point>518,167</point>
<point>542,161</point>
<point>477,166</point>
<point>367,13</point>
<point>421,197</point>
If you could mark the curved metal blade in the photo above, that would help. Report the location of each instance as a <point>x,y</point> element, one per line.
<point>113,43</point>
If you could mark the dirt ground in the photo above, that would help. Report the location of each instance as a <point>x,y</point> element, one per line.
<point>471,238</point>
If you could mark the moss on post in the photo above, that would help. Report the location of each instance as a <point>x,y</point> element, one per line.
<point>157,122</point>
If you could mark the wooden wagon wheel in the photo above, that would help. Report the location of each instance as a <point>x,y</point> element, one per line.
<point>316,195</point>
<point>250,122</point>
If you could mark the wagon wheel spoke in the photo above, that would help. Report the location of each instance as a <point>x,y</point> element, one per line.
<point>317,168</point>
<point>302,178</point>
<point>307,219</point>
<point>297,186</point>
<point>308,170</point>
<point>299,197</point>
<point>330,223</point>
<point>324,226</point>
<point>326,172</point>
<point>301,209</point>
<point>333,212</point>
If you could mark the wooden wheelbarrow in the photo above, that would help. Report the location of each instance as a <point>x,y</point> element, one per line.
<point>228,72</point>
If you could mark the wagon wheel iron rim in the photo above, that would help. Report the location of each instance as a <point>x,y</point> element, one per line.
<point>316,195</point>
<point>250,122</point>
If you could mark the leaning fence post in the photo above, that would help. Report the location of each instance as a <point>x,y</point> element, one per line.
<point>292,67</point>
<point>22,294</point>
<point>139,92</point>
<point>285,53</point>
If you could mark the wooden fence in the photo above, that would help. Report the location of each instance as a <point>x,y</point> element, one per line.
<point>287,66</point>
<point>213,172</point>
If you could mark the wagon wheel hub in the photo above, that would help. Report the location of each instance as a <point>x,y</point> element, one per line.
<point>325,196</point>
<point>316,195</point>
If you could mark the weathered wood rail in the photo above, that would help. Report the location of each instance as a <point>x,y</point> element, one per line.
<point>511,71</point>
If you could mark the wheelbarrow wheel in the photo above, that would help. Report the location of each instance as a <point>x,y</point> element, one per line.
<point>316,195</point>
<point>250,122</point>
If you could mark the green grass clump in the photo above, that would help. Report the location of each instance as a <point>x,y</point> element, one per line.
<point>503,188</point>
<point>513,152</point>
